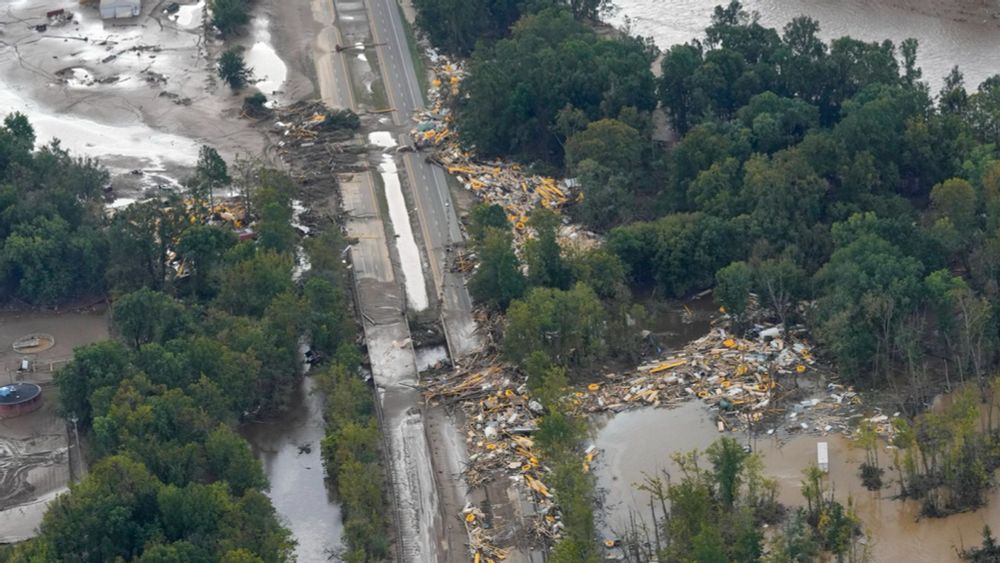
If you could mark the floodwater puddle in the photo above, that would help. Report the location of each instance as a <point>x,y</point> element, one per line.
<point>639,443</point>
<point>288,447</point>
<point>85,137</point>
<point>406,245</point>
<point>190,15</point>
<point>268,69</point>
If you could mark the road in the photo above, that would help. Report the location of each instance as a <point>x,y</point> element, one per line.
<point>438,220</point>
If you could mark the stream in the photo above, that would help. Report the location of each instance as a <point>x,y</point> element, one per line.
<point>288,447</point>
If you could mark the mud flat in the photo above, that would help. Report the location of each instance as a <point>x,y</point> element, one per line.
<point>138,94</point>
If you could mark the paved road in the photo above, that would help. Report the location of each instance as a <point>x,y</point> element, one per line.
<point>438,220</point>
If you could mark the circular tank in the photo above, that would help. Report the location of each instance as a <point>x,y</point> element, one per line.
<point>19,398</point>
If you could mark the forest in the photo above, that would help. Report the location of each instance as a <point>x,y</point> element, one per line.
<point>198,348</point>
<point>824,177</point>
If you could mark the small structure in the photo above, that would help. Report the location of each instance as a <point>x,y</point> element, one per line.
<point>19,398</point>
<point>823,457</point>
<point>116,9</point>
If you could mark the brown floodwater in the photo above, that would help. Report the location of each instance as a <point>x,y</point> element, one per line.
<point>637,443</point>
<point>288,446</point>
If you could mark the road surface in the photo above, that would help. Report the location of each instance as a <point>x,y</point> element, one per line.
<point>438,220</point>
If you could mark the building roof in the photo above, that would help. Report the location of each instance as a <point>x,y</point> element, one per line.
<point>113,3</point>
<point>18,393</point>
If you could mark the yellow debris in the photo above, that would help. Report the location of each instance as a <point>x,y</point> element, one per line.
<point>593,386</point>
<point>668,365</point>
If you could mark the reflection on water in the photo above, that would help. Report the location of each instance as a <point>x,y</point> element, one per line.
<point>639,443</point>
<point>973,45</point>
<point>289,449</point>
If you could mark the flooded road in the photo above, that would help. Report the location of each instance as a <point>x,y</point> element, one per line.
<point>950,32</point>
<point>289,449</point>
<point>639,443</point>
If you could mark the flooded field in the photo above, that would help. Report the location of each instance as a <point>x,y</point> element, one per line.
<point>950,32</point>
<point>69,330</point>
<point>638,443</point>
<point>35,447</point>
<point>288,447</point>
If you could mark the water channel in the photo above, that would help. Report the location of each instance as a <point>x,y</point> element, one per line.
<point>288,447</point>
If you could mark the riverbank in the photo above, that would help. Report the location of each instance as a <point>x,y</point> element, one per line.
<point>952,32</point>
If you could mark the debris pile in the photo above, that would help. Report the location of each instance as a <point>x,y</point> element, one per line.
<point>315,141</point>
<point>494,181</point>
<point>500,418</point>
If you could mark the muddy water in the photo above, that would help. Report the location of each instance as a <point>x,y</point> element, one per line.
<point>972,44</point>
<point>289,449</point>
<point>639,443</point>
<point>268,69</point>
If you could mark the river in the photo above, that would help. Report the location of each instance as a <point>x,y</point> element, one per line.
<point>950,32</point>
<point>288,447</point>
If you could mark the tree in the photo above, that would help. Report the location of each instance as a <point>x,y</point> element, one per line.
<point>780,283</point>
<point>228,16</point>
<point>543,253</point>
<point>228,458</point>
<point>95,366</point>
<point>569,326</point>
<point>146,316</point>
<point>498,279</point>
<point>210,173</point>
<point>608,196</point>
<point>608,141</point>
<point>956,200</point>
<point>870,289</point>
<point>232,68</point>
<point>516,90</point>
<point>676,91</point>
<point>484,217</point>
<point>732,288</point>
<point>202,246</point>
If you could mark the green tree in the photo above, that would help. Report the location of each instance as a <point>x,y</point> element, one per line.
<point>608,141</point>
<point>228,16</point>
<point>484,217</point>
<point>543,253</point>
<point>569,326</point>
<point>732,288</point>
<point>146,316</point>
<point>232,68</point>
<point>498,279</point>
<point>956,200</point>
<point>514,93</point>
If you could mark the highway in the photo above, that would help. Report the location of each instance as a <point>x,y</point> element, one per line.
<point>438,220</point>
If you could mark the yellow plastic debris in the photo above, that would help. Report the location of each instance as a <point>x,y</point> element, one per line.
<point>593,387</point>
<point>729,343</point>
<point>470,517</point>
<point>668,365</point>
